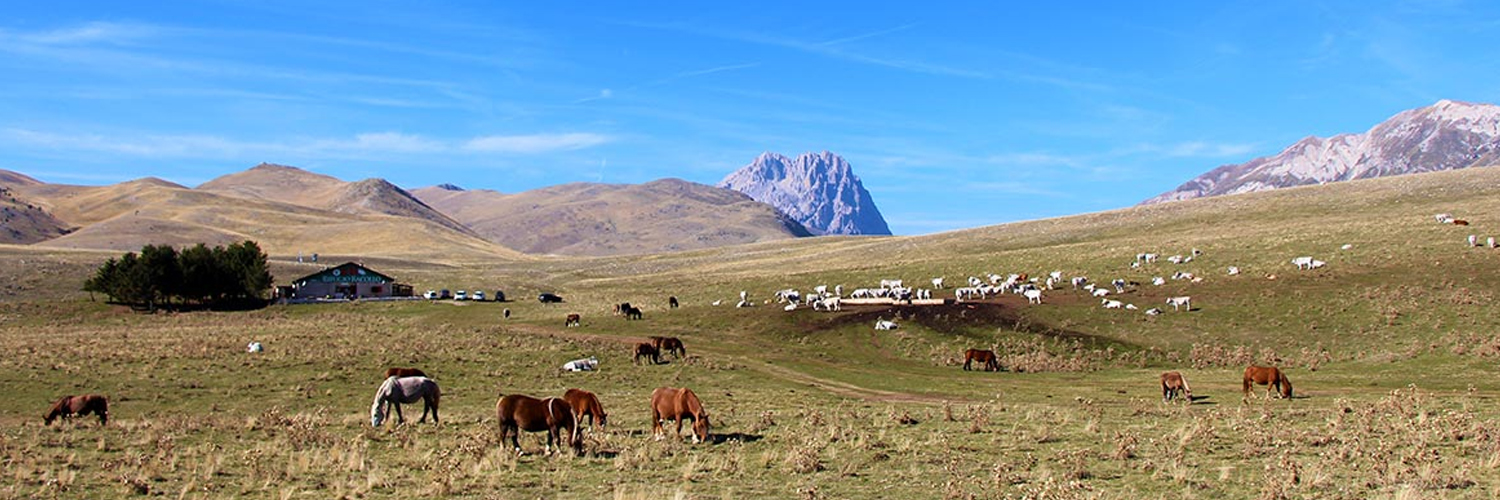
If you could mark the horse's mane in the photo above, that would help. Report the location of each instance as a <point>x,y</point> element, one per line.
<point>385,389</point>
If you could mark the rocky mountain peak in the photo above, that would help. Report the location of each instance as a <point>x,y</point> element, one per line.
<point>1447,135</point>
<point>818,190</point>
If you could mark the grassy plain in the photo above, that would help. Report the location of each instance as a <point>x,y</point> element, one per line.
<point>1391,348</point>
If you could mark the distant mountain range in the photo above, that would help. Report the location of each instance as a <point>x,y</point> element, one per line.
<point>819,190</point>
<point>1447,135</point>
<point>291,210</point>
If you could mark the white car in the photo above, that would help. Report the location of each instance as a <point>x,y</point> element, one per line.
<point>478,295</point>
<point>460,295</point>
<point>430,295</point>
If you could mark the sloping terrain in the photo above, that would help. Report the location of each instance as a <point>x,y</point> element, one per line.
<point>295,186</point>
<point>611,219</point>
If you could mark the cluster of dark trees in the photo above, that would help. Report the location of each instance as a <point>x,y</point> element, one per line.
<point>232,277</point>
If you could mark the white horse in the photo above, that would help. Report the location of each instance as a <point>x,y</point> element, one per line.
<point>397,391</point>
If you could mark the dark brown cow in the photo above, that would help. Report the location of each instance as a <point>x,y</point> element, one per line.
<point>573,320</point>
<point>68,406</point>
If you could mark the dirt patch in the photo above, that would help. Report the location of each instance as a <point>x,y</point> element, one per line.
<point>1004,312</point>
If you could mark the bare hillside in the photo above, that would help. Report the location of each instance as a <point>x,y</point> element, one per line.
<point>611,219</point>
<point>295,186</point>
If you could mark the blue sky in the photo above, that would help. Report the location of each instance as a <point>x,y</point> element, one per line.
<point>954,115</point>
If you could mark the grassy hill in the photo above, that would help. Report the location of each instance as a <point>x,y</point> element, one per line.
<point>584,219</point>
<point>1390,346</point>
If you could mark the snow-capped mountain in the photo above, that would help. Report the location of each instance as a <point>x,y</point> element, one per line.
<point>1444,136</point>
<point>819,190</point>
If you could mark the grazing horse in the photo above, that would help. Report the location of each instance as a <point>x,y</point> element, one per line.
<point>68,406</point>
<point>404,372</point>
<point>1268,376</point>
<point>986,357</point>
<point>524,413</point>
<point>678,404</point>
<point>669,344</point>
<point>620,308</point>
<point>1173,385</point>
<point>644,350</point>
<point>403,390</point>
<point>573,320</point>
<point>631,312</point>
<point>585,403</point>
<point>672,302</point>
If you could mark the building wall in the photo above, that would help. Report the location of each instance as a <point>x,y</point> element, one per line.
<point>340,290</point>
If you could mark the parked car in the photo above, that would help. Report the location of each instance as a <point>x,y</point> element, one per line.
<point>445,294</point>
<point>548,298</point>
<point>460,295</point>
<point>478,295</point>
<point>430,295</point>
<point>499,296</point>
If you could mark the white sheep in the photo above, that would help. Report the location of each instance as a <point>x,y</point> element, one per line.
<point>1079,281</point>
<point>1178,302</point>
<point>1153,311</point>
<point>1473,240</point>
<point>937,283</point>
<point>1119,284</point>
<point>1304,262</point>
<point>1316,264</point>
<point>255,347</point>
<point>1158,280</point>
<point>1233,270</point>
<point>881,324</point>
<point>1175,259</point>
<point>1112,304</point>
<point>1443,218</point>
<point>1033,296</point>
<point>1131,307</point>
<point>790,307</point>
<point>1100,292</point>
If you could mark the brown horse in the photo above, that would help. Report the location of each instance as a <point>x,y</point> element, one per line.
<point>524,413</point>
<point>669,345</point>
<point>585,403</point>
<point>1173,385</point>
<point>68,406</point>
<point>988,358</point>
<point>404,372</point>
<point>1268,376</point>
<point>573,320</point>
<point>678,404</point>
<point>644,350</point>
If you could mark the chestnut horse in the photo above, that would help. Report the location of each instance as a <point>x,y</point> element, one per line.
<point>68,406</point>
<point>1173,385</point>
<point>524,413</point>
<point>585,403</point>
<point>644,350</point>
<point>1268,376</point>
<point>988,358</point>
<point>678,404</point>
<point>404,372</point>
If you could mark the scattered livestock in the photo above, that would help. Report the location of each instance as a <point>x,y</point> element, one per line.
<point>1180,302</point>
<point>518,413</point>
<point>1033,296</point>
<point>644,350</point>
<point>1100,292</point>
<point>1153,312</point>
<point>506,314</point>
<point>1119,284</point>
<point>1131,307</point>
<point>1460,222</point>
<point>937,283</point>
<point>396,391</point>
<point>404,372</point>
<point>881,324</point>
<point>1234,271</point>
<point>67,407</point>
<point>1158,280</point>
<point>790,307</point>
<point>1443,218</point>
<point>1306,262</point>
<point>717,302</point>
<point>585,404</point>
<point>678,404</point>
<point>1079,282</point>
<point>890,283</point>
<point>573,320</point>
<point>631,312</point>
<point>1174,385</point>
<point>986,358</point>
<point>581,365</point>
<point>1268,376</point>
<point>829,304</point>
<point>255,347</point>
<point>745,303</point>
<point>1473,240</point>
<point>1112,304</point>
<point>672,302</point>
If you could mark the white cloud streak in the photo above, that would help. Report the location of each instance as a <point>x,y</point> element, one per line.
<point>360,146</point>
<point>535,143</point>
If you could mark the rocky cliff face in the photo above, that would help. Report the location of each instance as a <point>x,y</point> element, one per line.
<point>818,190</point>
<point>1445,136</point>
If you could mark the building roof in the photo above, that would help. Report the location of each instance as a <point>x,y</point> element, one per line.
<point>347,272</point>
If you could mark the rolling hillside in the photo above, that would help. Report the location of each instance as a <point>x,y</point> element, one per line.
<point>611,219</point>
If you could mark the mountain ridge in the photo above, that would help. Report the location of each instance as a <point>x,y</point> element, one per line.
<point>819,190</point>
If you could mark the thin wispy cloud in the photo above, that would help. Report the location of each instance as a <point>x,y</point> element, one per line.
<point>535,143</point>
<point>87,33</point>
